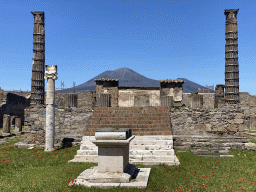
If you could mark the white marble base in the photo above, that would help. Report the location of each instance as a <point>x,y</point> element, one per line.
<point>139,179</point>
<point>110,177</point>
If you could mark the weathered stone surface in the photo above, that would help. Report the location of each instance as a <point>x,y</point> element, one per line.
<point>6,123</point>
<point>18,126</point>
<point>62,127</point>
<point>232,128</point>
<point>238,121</point>
<point>199,127</point>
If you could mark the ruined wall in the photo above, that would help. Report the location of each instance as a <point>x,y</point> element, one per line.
<point>208,100</point>
<point>13,103</point>
<point>86,99</point>
<point>69,123</point>
<point>247,100</point>
<point>138,98</point>
<point>1,96</point>
<point>107,86</point>
<point>211,122</point>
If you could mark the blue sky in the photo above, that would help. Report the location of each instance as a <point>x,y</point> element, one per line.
<point>164,39</point>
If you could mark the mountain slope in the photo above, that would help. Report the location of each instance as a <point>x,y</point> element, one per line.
<point>128,77</point>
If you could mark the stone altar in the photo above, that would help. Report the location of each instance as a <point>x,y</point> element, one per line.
<point>113,168</point>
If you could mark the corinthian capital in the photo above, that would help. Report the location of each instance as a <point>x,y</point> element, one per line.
<point>51,72</point>
<point>38,17</point>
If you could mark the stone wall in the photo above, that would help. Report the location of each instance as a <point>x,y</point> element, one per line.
<point>13,103</point>
<point>247,100</point>
<point>208,100</point>
<point>69,123</point>
<point>86,99</point>
<point>138,97</point>
<point>227,120</point>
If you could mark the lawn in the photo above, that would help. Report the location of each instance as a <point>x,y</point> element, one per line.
<point>23,169</point>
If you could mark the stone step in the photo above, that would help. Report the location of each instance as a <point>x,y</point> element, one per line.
<point>252,134</point>
<point>153,152</point>
<point>85,158</point>
<point>212,141</point>
<point>151,142</point>
<point>141,158</point>
<point>151,147</point>
<point>228,145</point>
<point>132,147</point>
<point>136,152</point>
<point>208,143</point>
<point>144,137</point>
<point>151,158</point>
<point>141,142</point>
<point>170,163</point>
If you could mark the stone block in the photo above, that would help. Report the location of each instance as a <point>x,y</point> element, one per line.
<point>252,123</point>
<point>208,127</point>
<point>241,127</point>
<point>232,128</point>
<point>238,121</point>
<point>239,116</point>
<point>199,127</point>
<point>34,115</point>
<point>221,128</point>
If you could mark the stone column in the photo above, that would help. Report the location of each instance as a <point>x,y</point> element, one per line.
<point>18,127</point>
<point>51,72</point>
<point>6,123</point>
<point>13,121</point>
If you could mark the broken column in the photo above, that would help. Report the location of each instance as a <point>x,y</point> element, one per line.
<point>51,72</point>
<point>6,123</point>
<point>18,127</point>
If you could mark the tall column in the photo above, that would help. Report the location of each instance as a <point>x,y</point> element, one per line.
<point>51,72</point>
<point>231,58</point>
<point>37,81</point>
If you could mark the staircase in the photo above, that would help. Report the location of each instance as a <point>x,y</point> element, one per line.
<point>146,150</point>
<point>153,142</point>
<point>142,120</point>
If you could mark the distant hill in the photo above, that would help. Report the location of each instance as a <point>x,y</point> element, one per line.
<point>128,77</point>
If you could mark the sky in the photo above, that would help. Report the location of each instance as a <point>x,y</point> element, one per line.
<point>163,39</point>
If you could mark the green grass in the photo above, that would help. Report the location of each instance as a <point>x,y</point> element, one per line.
<point>23,169</point>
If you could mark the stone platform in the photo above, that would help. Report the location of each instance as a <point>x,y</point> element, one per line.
<point>139,179</point>
<point>146,150</point>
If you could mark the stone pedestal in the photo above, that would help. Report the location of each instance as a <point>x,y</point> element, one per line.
<point>18,127</point>
<point>51,71</point>
<point>6,124</point>
<point>113,162</point>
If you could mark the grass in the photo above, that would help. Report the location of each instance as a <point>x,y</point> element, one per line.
<point>23,169</point>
